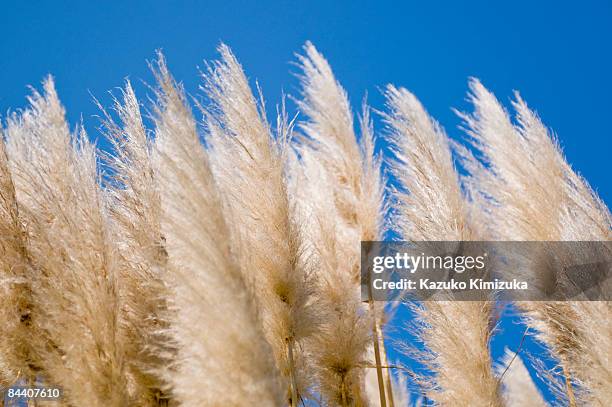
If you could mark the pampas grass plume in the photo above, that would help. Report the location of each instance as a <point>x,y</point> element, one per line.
<point>430,207</point>
<point>74,284</point>
<point>222,356</point>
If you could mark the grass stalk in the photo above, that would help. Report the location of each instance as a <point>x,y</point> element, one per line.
<point>376,341</point>
<point>568,385</point>
<point>379,374</point>
<point>386,372</point>
<point>291,363</point>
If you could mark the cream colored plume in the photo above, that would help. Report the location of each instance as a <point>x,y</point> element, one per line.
<point>431,207</point>
<point>76,302</point>
<point>222,356</point>
<point>15,301</point>
<point>135,210</point>
<point>531,193</point>
<point>250,167</point>
<point>358,188</point>
<point>351,208</point>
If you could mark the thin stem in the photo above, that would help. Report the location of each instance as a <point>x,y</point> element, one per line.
<point>377,358</point>
<point>294,392</point>
<point>568,384</point>
<point>387,373</point>
<point>403,369</point>
<point>375,337</point>
<point>515,354</point>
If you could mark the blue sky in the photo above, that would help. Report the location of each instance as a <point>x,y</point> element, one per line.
<point>557,54</point>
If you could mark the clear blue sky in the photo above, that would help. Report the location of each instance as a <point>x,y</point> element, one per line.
<point>557,54</point>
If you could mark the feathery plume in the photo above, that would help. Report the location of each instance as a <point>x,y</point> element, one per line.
<point>222,356</point>
<point>583,216</point>
<point>330,131</point>
<point>250,167</point>
<point>338,351</point>
<point>135,210</point>
<point>75,296</point>
<point>356,187</point>
<point>526,182</point>
<point>509,166</point>
<point>431,207</point>
<point>531,193</point>
<point>15,307</point>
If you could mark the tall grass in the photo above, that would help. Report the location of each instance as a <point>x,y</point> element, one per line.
<point>79,341</point>
<point>216,262</point>
<point>356,205</point>
<point>16,358</point>
<point>431,207</point>
<point>135,212</point>
<point>530,192</point>
<point>222,356</point>
<point>250,164</point>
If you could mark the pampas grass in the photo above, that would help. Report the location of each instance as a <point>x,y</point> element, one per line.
<point>135,212</point>
<point>15,302</point>
<point>531,193</point>
<point>339,348</point>
<point>222,356</point>
<point>218,263</point>
<point>76,305</point>
<point>430,207</point>
<point>250,164</point>
<point>356,189</point>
